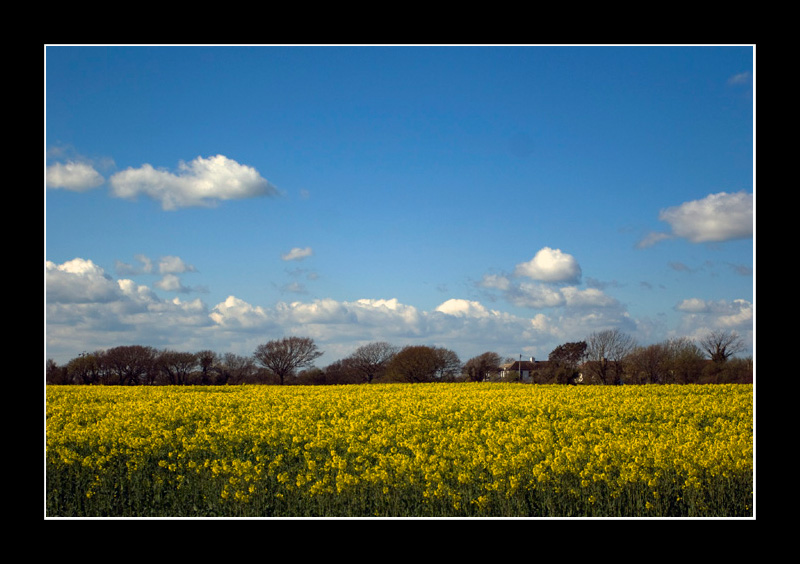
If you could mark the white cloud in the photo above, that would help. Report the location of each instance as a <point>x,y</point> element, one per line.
<point>327,320</point>
<point>739,313</point>
<point>78,281</point>
<point>297,254</point>
<point>237,313</point>
<point>74,176</point>
<point>495,281</point>
<point>722,312</point>
<point>375,312</point>
<point>700,316</point>
<point>324,311</point>
<point>171,283</point>
<point>88,310</point>
<point>550,269</point>
<point>550,265</point>
<point>652,238</point>
<point>538,296</point>
<point>590,297</point>
<point>294,288</point>
<point>136,292</point>
<point>463,308</point>
<point>715,218</point>
<point>168,266</point>
<point>464,325</point>
<point>201,182</point>
<point>533,295</point>
<point>692,305</point>
<point>174,265</point>
<point>741,78</point>
<point>572,312</point>
<point>130,270</point>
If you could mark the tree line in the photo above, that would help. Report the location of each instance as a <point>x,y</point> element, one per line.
<point>604,358</point>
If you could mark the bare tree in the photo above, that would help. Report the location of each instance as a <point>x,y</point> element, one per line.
<point>720,345</point>
<point>607,349</point>
<point>370,361</point>
<point>55,374</point>
<point>208,361</point>
<point>133,364</point>
<point>686,361</point>
<point>176,366</point>
<point>86,368</point>
<point>343,371</point>
<point>312,377</point>
<point>448,364</point>
<point>235,369</point>
<point>650,364</point>
<point>283,357</point>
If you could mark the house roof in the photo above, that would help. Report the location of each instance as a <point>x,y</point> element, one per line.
<point>524,365</point>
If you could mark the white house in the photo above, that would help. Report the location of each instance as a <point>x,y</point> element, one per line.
<point>524,368</point>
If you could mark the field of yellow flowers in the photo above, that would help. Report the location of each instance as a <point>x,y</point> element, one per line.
<point>471,450</point>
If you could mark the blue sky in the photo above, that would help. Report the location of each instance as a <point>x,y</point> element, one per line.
<point>481,198</point>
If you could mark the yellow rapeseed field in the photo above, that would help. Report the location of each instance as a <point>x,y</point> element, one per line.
<point>482,449</point>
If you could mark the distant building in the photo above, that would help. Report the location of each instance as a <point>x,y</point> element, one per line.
<point>523,368</point>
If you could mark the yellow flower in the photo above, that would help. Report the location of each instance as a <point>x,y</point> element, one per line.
<point>450,442</point>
